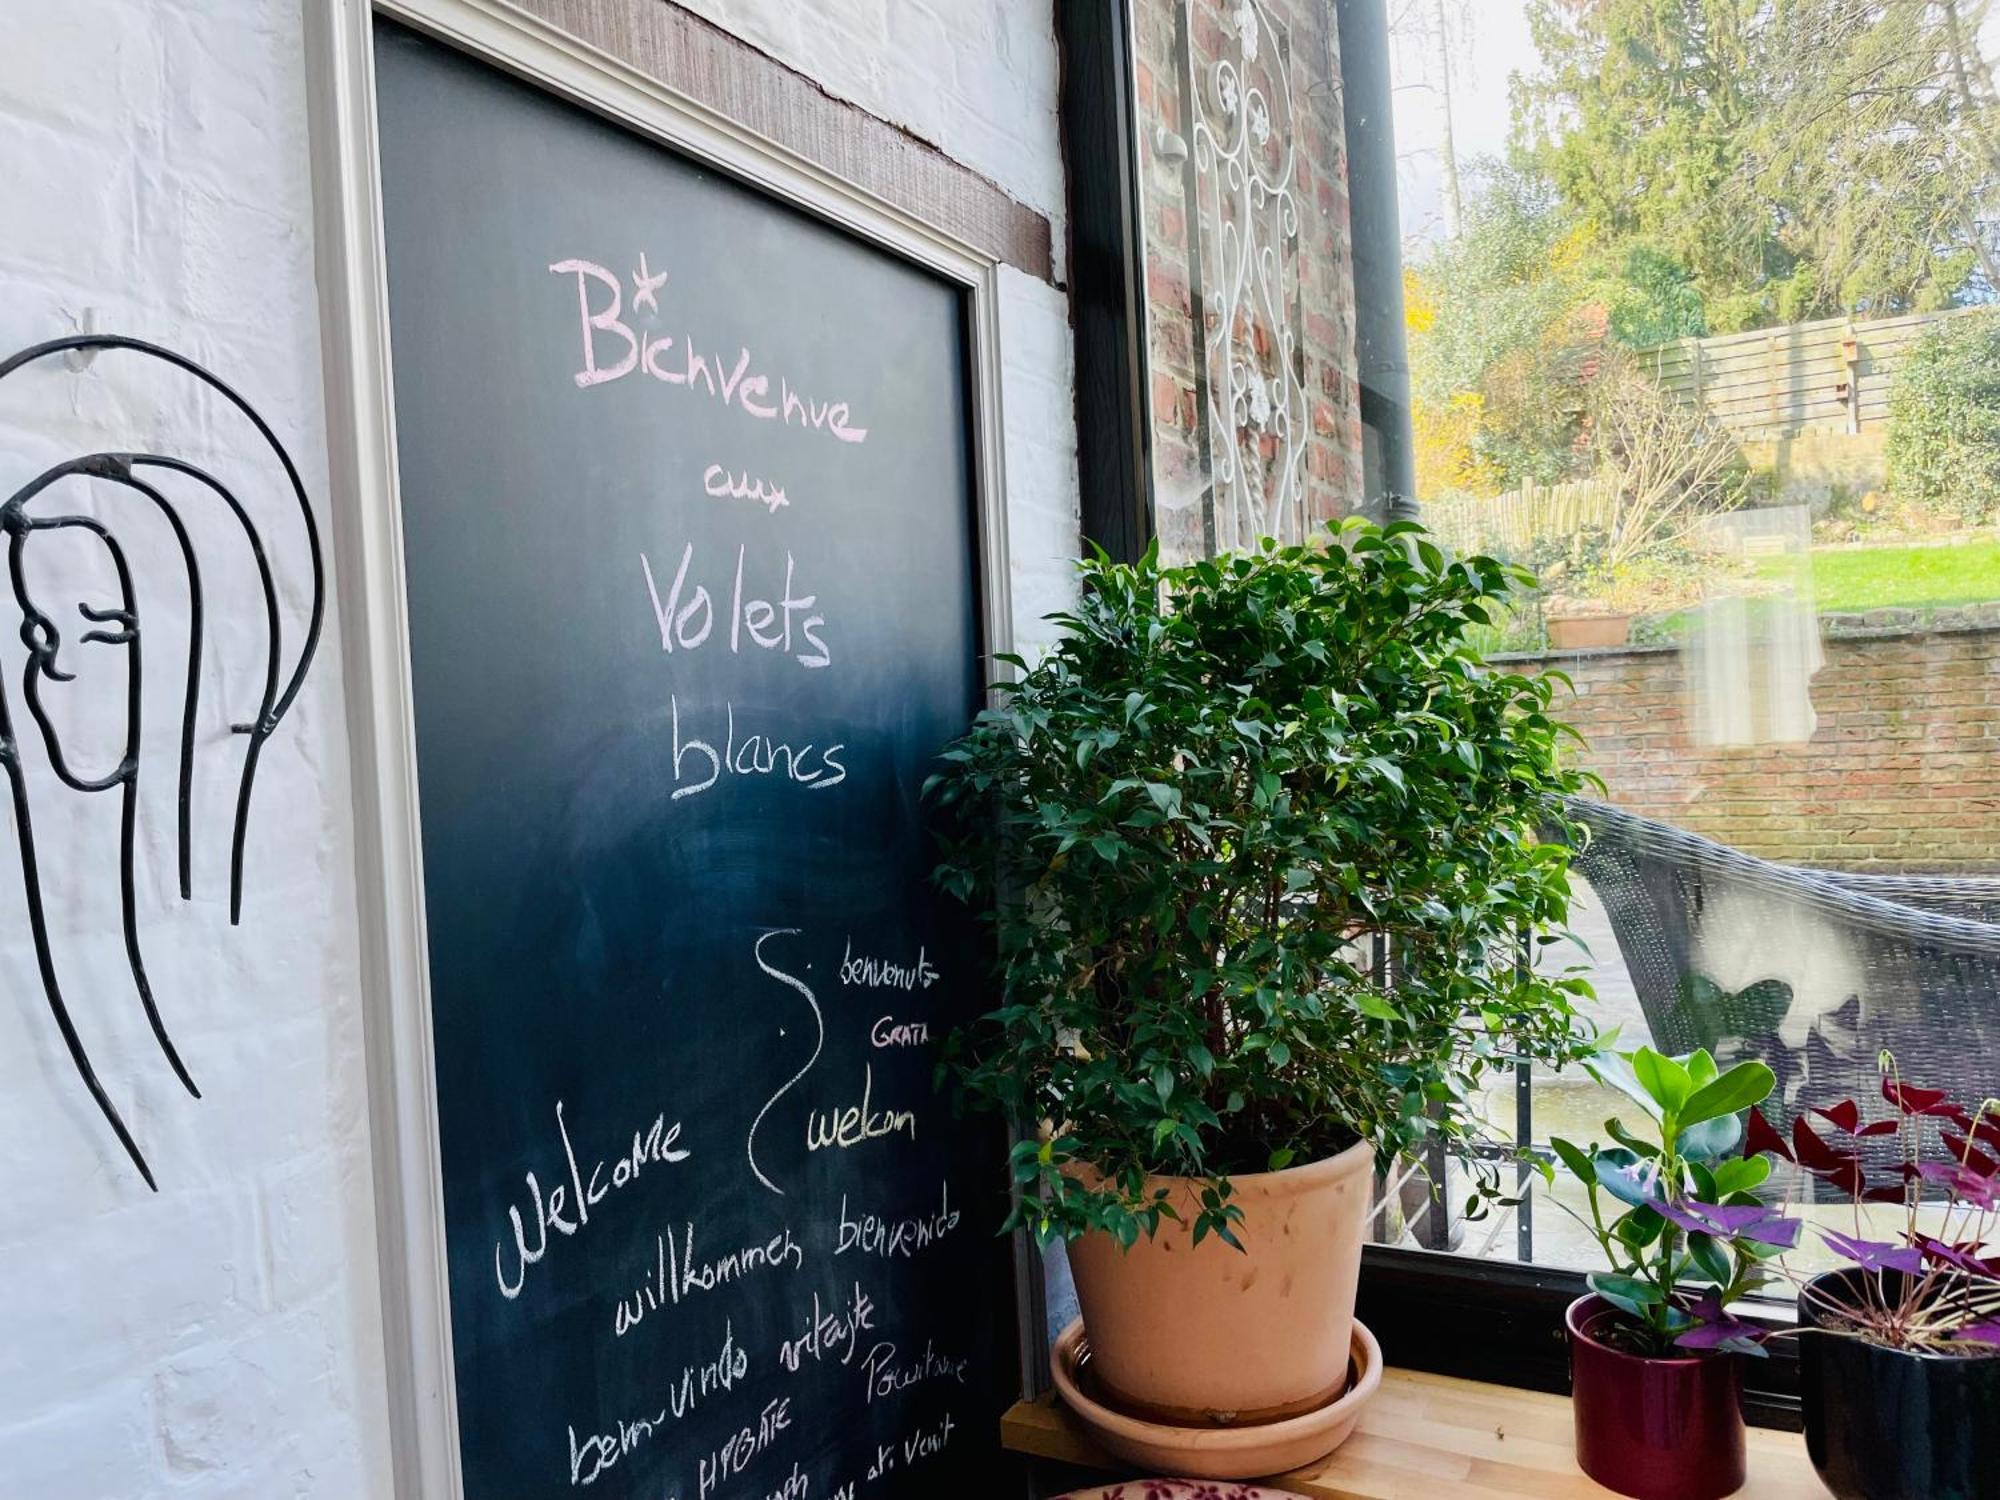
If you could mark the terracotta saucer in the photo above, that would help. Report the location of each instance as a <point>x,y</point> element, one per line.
<point>1215,1452</point>
<point>1176,1489</point>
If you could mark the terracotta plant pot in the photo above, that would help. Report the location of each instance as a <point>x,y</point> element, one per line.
<point>1655,1429</point>
<point>1583,632</point>
<point>1882,1424</point>
<point>1188,1333</point>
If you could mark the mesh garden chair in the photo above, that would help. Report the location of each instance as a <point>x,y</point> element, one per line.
<point>1817,972</point>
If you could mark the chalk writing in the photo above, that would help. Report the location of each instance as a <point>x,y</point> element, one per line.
<point>895,1239</point>
<point>925,1442</point>
<point>791,982</point>
<point>687,617</point>
<point>743,1445</point>
<point>597,1452</point>
<point>889,1032</point>
<point>699,765</point>
<point>863,972</point>
<point>883,1375</point>
<point>676,1273</point>
<point>567,1207</point>
<point>723,485</point>
<point>830,1331</point>
<point>857,1123</point>
<point>613,349</point>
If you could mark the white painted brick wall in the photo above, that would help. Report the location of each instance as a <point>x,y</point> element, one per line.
<point>976,78</point>
<point>221,1340</point>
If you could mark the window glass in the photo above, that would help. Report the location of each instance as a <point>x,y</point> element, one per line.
<point>1701,320</point>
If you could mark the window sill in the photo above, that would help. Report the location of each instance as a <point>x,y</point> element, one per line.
<point>1439,1437</point>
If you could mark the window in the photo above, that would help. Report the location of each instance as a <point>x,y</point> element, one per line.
<point>1693,309</point>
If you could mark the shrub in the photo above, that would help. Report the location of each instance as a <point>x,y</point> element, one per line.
<point>1187,822</point>
<point>1944,421</point>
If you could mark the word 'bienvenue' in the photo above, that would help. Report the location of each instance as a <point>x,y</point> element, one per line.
<point>613,349</point>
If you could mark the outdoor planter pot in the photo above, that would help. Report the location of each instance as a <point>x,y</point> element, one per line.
<point>1584,632</point>
<point>1207,1334</point>
<point>1655,1429</point>
<point>1885,1424</point>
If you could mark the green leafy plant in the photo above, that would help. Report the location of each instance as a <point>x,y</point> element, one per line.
<point>1944,420</point>
<point>1191,821</point>
<point>1693,1236</point>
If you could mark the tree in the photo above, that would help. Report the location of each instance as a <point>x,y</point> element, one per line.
<point>1794,158</point>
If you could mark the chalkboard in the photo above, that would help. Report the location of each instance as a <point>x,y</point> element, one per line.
<point>691,547</point>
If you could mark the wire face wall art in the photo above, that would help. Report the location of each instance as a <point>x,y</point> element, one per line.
<point>32,512</point>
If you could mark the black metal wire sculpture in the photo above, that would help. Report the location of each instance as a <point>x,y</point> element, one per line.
<point>120,627</point>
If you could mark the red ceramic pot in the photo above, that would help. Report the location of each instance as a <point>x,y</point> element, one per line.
<point>1655,1429</point>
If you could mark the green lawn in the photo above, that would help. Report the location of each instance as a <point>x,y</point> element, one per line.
<point>1848,579</point>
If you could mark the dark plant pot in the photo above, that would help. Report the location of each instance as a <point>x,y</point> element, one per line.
<point>1882,1424</point>
<point>1655,1429</point>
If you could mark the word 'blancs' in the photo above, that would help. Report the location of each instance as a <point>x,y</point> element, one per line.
<point>698,764</point>
<point>613,349</point>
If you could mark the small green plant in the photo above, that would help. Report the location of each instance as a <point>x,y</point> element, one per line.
<point>1693,1236</point>
<point>1944,421</point>
<point>1192,820</point>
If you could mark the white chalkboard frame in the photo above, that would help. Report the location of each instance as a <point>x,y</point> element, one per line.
<point>355,333</point>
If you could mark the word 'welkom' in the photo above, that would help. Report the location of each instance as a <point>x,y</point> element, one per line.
<point>613,349</point>
<point>855,1123</point>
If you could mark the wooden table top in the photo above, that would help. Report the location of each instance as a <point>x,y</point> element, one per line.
<point>1431,1437</point>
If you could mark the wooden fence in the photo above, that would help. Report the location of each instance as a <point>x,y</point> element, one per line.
<point>1829,376</point>
<point>1510,524</point>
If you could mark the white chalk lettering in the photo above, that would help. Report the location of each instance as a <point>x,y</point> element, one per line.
<point>723,485</point>
<point>699,763</point>
<point>566,1208</point>
<point>799,987</point>
<point>830,1332</point>
<point>882,1375</point>
<point>895,1239</point>
<point>677,1275</point>
<point>867,973</point>
<point>844,1128</point>
<point>686,616</point>
<point>742,1446</point>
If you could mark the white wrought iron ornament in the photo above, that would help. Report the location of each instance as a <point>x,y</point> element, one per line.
<point>1243,179</point>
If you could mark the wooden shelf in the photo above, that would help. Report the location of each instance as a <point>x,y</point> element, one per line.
<point>1430,1437</point>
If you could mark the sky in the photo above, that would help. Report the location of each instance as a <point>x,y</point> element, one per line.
<point>1489,43</point>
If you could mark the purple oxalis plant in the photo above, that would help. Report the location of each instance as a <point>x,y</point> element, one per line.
<point>1674,1208</point>
<point>1932,1289</point>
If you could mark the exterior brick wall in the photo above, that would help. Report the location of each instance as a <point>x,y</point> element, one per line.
<point>1902,774</point>
<point>1314,298</point>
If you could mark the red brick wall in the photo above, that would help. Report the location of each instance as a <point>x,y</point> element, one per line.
<point>1318,293</point>
<point>1901,775</point>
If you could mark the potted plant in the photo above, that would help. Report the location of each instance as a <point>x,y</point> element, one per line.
<point>1190,821</point>
<point>1899,1359</point>
<point>1656,1382</point>
<point>1581,624</point>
